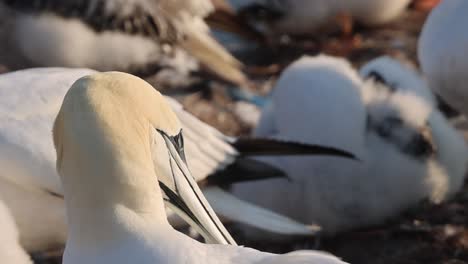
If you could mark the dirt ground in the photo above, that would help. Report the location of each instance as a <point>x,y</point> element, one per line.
<point>426,234</point>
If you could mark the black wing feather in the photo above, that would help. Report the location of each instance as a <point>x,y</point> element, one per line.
<point>268,147</point>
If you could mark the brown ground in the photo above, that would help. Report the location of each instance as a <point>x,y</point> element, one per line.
<point>427,234</point>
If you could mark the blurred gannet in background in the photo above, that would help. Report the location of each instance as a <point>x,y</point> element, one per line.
<point>10,248</point>
<point>128,35</point>
<point>414,109</point>
<point>299,17</point>
<point>407,150</point>
<point>117,140</point>
<point>442,50</point>
<point>30,100</point>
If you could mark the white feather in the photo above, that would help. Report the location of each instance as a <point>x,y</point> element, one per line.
<point>323,100</point>
<point>29,101</point>
<point>10,248</point>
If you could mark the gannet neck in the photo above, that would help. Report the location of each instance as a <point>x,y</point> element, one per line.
<point>118,142</point>
<point>104,156</point>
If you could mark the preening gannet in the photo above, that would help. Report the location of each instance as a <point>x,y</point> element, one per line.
<point>298,17</point>
<point>127,35</point>
<point>117,140</point>
<point>407,150</point>
<point>10,248</point>
<point>29,101</point>
<point>442,52</point>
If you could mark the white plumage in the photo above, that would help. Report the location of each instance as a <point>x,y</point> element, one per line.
<point>322,100</point>
<point>442,50</point>
<point>110,155</point>
<point>29,101</point>
<point>10,248</point>
<point>130,35</point>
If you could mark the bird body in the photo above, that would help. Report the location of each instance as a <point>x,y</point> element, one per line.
<point>406,149</point>
<point>138,36</point>
<point>441,51</point>
<point>29,182</point>
<point>298,17</point>
<point>10,248</point>
<point>29,101</point>
<point>122,143</point>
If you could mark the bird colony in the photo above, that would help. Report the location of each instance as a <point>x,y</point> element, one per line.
<point>117,143</point>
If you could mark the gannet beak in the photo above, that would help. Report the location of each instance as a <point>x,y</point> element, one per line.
<point>186,198</point>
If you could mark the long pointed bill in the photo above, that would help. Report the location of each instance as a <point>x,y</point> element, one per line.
<point>186,198</point>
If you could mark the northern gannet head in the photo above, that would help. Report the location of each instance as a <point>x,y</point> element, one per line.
<point>117,140</point>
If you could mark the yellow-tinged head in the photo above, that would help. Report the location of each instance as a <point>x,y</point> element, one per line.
<point>117,141</point>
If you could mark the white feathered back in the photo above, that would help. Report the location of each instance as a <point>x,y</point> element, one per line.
<point>10,249</point>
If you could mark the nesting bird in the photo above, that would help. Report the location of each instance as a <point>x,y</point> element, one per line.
<point>442,50</point>
<point>135,36</point>
<point>296,17</point>
<point>29,101</point>
<point>117,140</point>
<point>408,151</point>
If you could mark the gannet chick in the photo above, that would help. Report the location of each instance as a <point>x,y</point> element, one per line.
<point>417,107</point>
<point>10,248</point>
<point>29,101</point>
<point>117,140</point>
<point>297,17</point>
<point>407,150</point>
<point>137,36</point>
<point>442,50</point>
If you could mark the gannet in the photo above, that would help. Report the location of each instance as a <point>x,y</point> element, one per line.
<point>442,49</point>
<point>29,101</point>
<point>406,149</point>
<point>117,140</point>
<point>10,248</point>
<point>413,116</point>
<point>298,17</point>
<point>131,35</point>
